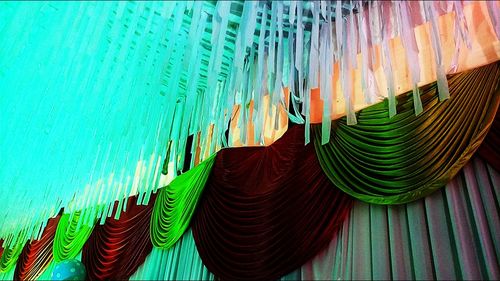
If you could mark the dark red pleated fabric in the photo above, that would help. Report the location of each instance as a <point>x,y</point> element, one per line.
<point>36,255</point>
<point>266,211</point>
<point>1,247</point>
<point>489,149</point>
<point>117,248</point>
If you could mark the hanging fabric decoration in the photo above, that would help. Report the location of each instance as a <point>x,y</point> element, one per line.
<point>398,160</point>
<point>442,82</point>
<point>11,254</point>
<point>461,33</point>
<point>367,78</point>
<point>36,255</point>
<point>71,235</point>
<point>451,234</point>
<point>409,41</point>
<point>96,62</point>
<point>382,13</point>
<point>176,203</point>
<point>117,248</point>
<point>180,262</point>
<point>266,210</point>
<point>326,72</point>
<point>494,11</point>
<point>162,72</point>
<point>489,147</point>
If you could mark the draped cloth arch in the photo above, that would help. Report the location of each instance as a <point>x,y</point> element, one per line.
<point>10,255</point>
<point>117,248</point>
<point>36,255</point>
<point>266,210</point>
<point>397,160</point>
<point>71,235</point>
<point>176,204</point>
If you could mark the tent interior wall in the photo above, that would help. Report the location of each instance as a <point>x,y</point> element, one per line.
<point>290,140</point>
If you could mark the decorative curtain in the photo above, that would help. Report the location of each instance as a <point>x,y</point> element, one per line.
<point>161,72</point>
<point>176,204</point>
<point>46,273</point>
<point>118,247</point>
<point>8,275</point>
<point>36,255</point>
<point>179,262</point>
<point>397,160</point>
<point>283,156</point>
<point>450,235</point>
<point>402,242</point>
<point>11,254</point>
<point>266,210</point>
<point>71,235</point>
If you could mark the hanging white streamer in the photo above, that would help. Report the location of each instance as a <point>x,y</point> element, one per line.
<point>411,50</point>
<point>184,66</point>
<point>442,81</point>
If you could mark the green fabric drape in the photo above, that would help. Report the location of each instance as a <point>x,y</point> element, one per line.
<point>396,160</point>
<point>10,255</point>
<point>70,236</point>
<point>9,275</point>
<point>176,203</point>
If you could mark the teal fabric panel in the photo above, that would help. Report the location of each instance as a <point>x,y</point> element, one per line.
<point>450,234</point>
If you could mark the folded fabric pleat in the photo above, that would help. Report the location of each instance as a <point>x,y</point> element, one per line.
<point>397,160</point>
<point>70,237</point>
<point>489,148</point>
<point>266,210</point>
<point>117,248</point>
<point>37,254</point>
<point>10,255</point>
<point>176,203</point>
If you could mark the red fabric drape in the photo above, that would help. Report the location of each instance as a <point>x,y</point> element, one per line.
<point>36,255</point>
<point>266,210</point>
<point>117,248</point>
<point>1,247</point>
<point>489,150</point>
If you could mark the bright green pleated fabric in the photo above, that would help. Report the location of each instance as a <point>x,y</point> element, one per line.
<point>71,235</point>
<point>396,160</point>
<point>176,203</point>
<point>10,255</point>
<point>9,275</point>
